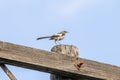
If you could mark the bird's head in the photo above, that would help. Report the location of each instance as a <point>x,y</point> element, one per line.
<point>64,32</point>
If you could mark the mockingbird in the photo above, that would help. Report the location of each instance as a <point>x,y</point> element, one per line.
<point>56,37</point>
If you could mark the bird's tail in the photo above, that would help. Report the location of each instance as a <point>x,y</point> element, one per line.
<point>44,37</point>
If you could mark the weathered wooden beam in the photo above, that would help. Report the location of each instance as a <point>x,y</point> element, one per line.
<point>60,64</point>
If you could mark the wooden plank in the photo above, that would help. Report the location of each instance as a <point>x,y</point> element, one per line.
<point>60,64</point>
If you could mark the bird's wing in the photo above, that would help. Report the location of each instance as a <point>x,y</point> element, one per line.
<point>57,35</point>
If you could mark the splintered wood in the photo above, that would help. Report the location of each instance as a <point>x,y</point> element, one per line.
<point>69,50</point>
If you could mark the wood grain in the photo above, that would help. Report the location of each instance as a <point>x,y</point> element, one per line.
<point>55,63</point>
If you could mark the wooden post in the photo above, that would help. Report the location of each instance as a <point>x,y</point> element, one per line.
<point>69,50</point>
<point>7,71</point>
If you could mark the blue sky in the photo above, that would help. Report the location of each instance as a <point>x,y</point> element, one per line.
<point>93,26</point>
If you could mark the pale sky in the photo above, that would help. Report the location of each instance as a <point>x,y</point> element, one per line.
<point>93,26</point>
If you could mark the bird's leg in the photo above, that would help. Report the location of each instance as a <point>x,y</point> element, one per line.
<point>55,42</point>
<point>59,42</point>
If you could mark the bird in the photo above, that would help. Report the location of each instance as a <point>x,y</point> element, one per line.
<point>56,37</point>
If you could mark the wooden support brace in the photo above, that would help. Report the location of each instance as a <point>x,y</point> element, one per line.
<point>7,71</point>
